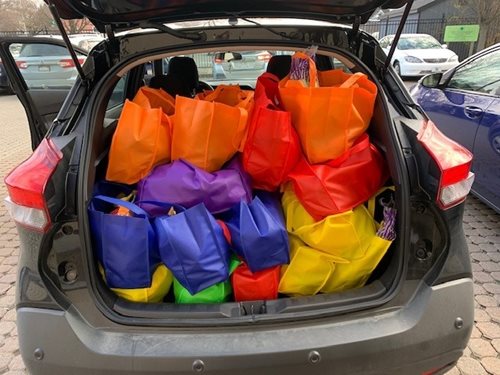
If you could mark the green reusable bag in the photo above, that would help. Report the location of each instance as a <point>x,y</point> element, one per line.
<point>216,293</point>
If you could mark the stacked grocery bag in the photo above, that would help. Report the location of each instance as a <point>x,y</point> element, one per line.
<point>244,195</point>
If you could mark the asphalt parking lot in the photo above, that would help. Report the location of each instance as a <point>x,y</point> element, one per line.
<point>482,228</point>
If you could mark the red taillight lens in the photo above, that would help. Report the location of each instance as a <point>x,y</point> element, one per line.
<point>454,162</point>
<point>264,56</point>
<point>26,186</point>
<point>22,64</point>
<point>69,63</point>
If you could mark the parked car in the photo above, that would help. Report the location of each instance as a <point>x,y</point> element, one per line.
<point>4,80</point>
<point>45,64</point>
<point>465,105</point>
<point>414,316</point>
<point>240,65</point>
<point>419,54</point>
<point>86,41</point>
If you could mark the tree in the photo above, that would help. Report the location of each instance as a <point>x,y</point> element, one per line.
<point>487,13</point>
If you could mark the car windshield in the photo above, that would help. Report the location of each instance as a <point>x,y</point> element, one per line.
<point>421,42</point>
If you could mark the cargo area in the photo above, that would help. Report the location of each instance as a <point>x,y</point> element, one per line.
<point>335,257</point>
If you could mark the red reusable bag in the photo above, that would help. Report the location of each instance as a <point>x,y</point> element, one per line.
<point>272,147</point>
<point>262,285</point>
<point>341,184</point>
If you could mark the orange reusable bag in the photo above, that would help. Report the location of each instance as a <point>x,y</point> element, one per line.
<point>148,97</point>
<point>272,147</point>
<point>207,134</point>
<point>327,119</point>
<point>342,183</point>
<point>231,95</point>
<point>141,141</point>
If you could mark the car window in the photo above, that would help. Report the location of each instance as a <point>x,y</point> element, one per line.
<point>384,42</point>
<point>118,95</point>
<point>480,75</point>
<point>232,67</point>
<point>420,42</point>
<point>38,50</point>
<point>44,65</point>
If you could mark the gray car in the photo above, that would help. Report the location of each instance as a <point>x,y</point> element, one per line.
<point>46,65</point>
<point>414,315</point>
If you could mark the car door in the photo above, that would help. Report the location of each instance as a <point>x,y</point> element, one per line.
<point>41,73</point>
<point>458,107</point>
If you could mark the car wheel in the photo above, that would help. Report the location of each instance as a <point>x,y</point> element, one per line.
<point>397,68</point>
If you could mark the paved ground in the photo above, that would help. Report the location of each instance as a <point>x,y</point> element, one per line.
<point>482,227</point>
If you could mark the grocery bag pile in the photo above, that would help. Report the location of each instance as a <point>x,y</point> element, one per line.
<point>242,195</point>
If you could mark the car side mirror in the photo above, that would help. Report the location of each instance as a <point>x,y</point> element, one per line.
<point>432,81</point>
<point>444,46</point>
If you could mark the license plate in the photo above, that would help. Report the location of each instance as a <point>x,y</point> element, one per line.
<point>44,68</point>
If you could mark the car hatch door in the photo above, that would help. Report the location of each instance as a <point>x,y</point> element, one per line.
<point>41,73</point>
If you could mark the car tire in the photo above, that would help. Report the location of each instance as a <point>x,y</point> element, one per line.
<point>397,68</point>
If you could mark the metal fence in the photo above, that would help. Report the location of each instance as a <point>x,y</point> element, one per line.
<point>434,27</point>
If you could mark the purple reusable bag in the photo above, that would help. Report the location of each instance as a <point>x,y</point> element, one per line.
<point>185,184</point>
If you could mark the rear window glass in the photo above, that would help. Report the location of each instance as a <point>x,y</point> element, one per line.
<point>37,50</point>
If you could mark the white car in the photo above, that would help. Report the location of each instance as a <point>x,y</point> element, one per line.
<point>419,54</point>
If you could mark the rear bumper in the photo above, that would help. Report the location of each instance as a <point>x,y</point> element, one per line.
<point>420,69</point>
<point>408,340</point>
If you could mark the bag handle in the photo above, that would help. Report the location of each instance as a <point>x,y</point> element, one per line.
<point>242,122</point>
<point>352,80</point>
<point>118,202</point>
<point>362,143</point>
<point>373,200</point>
<point>178,207</point>
<point>213,95</point>
<point>313,72</point>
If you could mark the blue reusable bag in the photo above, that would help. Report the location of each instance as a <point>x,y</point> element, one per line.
<point>258,232</point>
<point>192,245</point>
<point>125,245</point>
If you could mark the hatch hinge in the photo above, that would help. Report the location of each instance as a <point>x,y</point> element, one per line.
<point>114,44</point>
<point>354,34</point>
<point>60,26</point>
<point>401,25</point>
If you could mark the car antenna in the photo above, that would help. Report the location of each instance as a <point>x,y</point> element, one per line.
<point>401,25</point>
<point>65,37</point>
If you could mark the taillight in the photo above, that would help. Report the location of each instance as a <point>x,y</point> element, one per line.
<point>454,162</point>
<point>22,64</point>
<point>26,186</point>
<point>69,63</point>
<point>264,56</point>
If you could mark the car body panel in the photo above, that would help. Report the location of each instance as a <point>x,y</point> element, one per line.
<point>487,156</point>
<point>402,340</point>
<point>472,119</point>
<point>126,14</point>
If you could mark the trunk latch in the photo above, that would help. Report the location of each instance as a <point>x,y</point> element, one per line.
<point>253,308</point>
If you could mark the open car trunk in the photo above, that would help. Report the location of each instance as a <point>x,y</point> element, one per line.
<point>381,285</point>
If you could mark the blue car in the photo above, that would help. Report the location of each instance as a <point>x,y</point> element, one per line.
<point>464,103</point>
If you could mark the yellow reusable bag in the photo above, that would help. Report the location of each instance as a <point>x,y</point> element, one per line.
<point>350,237</point>
<point>307,272</point>
<point>160,286</point>
<point>345,235</point>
